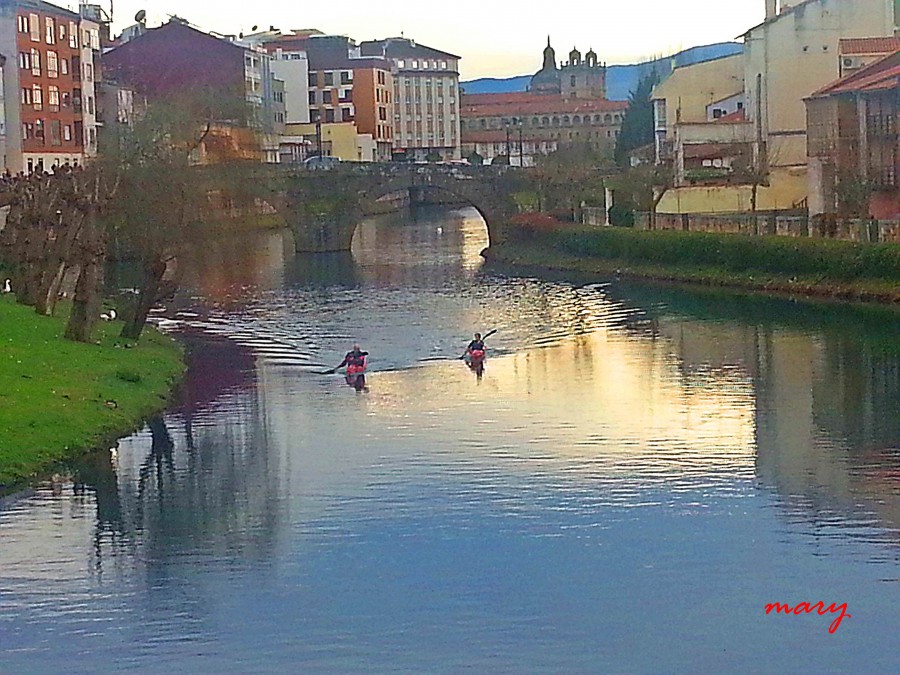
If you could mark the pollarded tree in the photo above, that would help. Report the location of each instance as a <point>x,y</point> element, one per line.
<point>165,191</point>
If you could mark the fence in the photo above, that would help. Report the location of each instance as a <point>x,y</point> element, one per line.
<point>861,230</point>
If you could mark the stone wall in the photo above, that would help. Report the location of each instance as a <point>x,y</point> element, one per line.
<point>872,231</point>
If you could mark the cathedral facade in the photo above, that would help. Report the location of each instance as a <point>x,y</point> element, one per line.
<point>581,78</point>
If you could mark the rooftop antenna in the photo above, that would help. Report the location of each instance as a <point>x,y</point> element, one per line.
<point>141,16</point>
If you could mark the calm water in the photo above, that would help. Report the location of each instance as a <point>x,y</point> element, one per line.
<point>636,475</point>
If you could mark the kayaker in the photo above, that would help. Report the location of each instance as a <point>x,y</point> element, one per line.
<point>476,349</point>
<point>355,360</point>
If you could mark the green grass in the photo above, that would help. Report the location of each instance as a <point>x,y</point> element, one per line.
<point>59,399</point>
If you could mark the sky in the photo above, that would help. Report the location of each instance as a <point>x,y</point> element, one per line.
<point>495,38</point>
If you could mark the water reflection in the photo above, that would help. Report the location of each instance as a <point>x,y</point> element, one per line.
<point>625,447</point>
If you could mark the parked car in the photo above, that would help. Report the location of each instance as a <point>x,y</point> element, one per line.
<point>323,162</point>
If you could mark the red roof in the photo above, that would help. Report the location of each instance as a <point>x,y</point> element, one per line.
<point>878,76</point>
<point>494,105</point>
<point>732,118</point>
<point>872,45</point>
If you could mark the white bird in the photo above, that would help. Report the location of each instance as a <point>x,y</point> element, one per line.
<point>110,316</point>
<point>7,287</point>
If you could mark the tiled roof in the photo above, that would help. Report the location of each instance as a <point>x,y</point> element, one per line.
<point>870,45</point>
<point>878,76</point>
<point>732,118</point>
<point>492,105</point>
<point>399,48</point>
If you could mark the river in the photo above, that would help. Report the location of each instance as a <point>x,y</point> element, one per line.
<point>635,475</point>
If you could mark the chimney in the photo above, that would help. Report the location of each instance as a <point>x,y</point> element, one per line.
<point>771,9</point>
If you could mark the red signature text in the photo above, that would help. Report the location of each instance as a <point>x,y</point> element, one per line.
<point>806,608</point>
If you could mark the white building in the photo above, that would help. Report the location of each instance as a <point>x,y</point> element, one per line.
<point>426,98</point>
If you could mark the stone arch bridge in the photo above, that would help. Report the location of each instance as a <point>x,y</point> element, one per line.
<point>323,207</point>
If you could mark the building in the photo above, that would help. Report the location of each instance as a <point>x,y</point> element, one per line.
<point>345,86</point>
<point>578,78</point>
<point>787,57</point>
<point>290,64</point>
<point>529,124</point>
<point>701,129</point>
<point>854,163</point>
<point>426,98</point>
<point>48,86</point>
<point>177,60</point>
<point>795,51</point>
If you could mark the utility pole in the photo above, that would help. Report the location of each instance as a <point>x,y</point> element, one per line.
<point>521,150</point>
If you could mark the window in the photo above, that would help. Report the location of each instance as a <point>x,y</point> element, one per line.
<point>34,23</point>
<point>49,30</point>
<point>25,60</point>
<point>76,68</point>
<point>55,132</point>
<point>66,99</point>
<point>52,64</point>
<point>62,32</point>
<point>73,35</point>
<point>78,133</point>
<point>64,66</point>
<point>382,114</point>
<point>22,21</point>
<point>88,72</point>
<point>39,130</point>
<point>76,100</point>
<point>37,95</point>
<point>313,80</point>
<point>346,77</point>
<point>346,115</point>
<point>329,79</point>
<point>401,63</point>
<point>326,96</point>
<point>90,105</point>
<point>381,78</point>
<point>312,98</point>
<point>27,98</point>
<point>67,133</point>
<point>35,62</point>
<point>28,131</point>
<point>329,115</point>
<point>53,98</point>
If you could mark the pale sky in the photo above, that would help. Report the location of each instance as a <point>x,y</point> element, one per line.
<point>496,38</point>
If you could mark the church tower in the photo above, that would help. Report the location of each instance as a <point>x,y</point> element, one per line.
<point>583,77</point>
<point>547,80</point>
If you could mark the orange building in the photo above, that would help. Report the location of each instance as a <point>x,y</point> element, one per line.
<point>373,89</point>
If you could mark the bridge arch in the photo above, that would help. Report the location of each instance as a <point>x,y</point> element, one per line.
<point>324,208</point>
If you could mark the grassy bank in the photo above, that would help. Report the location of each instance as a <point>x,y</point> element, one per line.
<point>814,267</point>
<point>59,399</point>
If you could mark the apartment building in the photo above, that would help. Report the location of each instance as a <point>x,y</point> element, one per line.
<point>426,98</point>
<point>177,59</point>
<point>48,86</point>
<point>345,86</point>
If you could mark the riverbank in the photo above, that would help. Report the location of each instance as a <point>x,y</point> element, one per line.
<point>779,265</point>
<point>59,399</point>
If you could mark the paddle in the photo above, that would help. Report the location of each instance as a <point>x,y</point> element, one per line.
<point>483,338</point>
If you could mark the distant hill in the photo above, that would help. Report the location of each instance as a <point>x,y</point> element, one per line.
<point>620,79</point>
